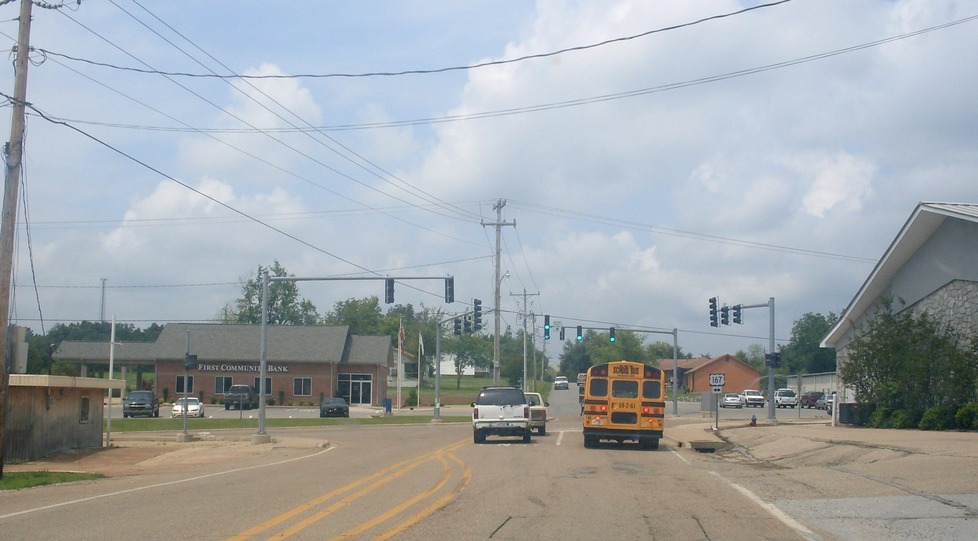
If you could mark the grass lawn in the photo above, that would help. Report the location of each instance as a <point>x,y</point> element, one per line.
<point>455,392</point>
<point>18,480</point>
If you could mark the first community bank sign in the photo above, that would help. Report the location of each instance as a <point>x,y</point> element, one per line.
<point>204,367</point>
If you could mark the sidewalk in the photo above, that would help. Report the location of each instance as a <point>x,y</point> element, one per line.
<point>770,440</point>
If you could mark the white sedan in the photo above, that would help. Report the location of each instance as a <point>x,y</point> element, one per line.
<point>732,400</point>
<point>194,407</point>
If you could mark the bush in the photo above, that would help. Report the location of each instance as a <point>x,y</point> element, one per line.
<point>904,419</point>
<point>967,417</point>
<point>879,418</point>
<point>939,418</point>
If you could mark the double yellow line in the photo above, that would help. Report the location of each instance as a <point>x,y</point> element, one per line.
<point>366,485</point>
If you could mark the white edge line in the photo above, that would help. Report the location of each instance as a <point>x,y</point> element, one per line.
<point>785,519</point>
<point>147,487</point>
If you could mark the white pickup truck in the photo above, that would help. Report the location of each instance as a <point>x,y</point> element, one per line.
<point>500,411</point>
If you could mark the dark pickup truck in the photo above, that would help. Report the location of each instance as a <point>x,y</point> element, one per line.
<point>242,397</point>
<point>140,403</point>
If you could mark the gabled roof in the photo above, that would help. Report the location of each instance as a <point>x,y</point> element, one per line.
<point>221,342</point>
<point>921,225</point>
<point>685,364</point>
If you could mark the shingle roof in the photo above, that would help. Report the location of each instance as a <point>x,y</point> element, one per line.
<point>220,342</point>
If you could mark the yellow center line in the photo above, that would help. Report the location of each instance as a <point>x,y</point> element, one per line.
<point>260,527</point>
<point>436,505</point>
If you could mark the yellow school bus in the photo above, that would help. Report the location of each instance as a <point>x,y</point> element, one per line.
<point>624,401</point>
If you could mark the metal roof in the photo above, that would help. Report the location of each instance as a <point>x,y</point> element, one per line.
<point>921,225</point>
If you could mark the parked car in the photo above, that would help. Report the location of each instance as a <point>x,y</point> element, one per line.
<point>193,407</point>
<point>753,398</point>
<point>732,400</point>
<point>538,413</point>
<point>811,398</point>
<point>785,398</point>
<point>141,402</point>
<point>243,397</point>
<point>334,407</point>
<point>560,383</point>
<point>829,401</point>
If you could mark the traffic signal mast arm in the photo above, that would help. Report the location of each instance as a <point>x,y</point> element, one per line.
<point>388,283</point>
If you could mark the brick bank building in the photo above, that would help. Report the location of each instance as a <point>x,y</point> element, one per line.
<point>305,363</point>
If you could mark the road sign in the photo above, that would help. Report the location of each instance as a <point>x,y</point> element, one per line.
<point>717,380</point>
<point>717,390</point>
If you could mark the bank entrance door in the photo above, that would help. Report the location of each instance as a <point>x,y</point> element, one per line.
<point>356,388</point>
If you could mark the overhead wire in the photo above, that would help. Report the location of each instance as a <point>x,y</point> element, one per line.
<point>284,144</point>
<point>401,184</point>
<point>469,67</point>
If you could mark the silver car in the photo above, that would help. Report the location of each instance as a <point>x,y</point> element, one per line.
<point>732,400</point>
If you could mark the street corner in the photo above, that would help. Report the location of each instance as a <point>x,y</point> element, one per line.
<point>701,438</point>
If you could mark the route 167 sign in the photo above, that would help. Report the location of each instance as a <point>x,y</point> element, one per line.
<point>717,380</point>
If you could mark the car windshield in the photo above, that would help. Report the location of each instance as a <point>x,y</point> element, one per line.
<point>335,402</point>
<point>532,400</point>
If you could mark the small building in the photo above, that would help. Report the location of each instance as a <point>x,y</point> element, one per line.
<point>694,374</point>
<point>50,414</point>
<point>305,363</point>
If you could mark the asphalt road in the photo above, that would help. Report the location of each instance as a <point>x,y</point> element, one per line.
<point>430,481</point>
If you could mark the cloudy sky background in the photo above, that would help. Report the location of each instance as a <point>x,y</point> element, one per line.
<point>771,153</point>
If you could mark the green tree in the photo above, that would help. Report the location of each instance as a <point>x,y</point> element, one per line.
<point>284,305</point>
<point>905,364</point>
<point>754,356</point>
<point>803,354</point>
<point>627,346</point>
<point>574,359</point>
<point>469,350</point>
<point>363,316</point>
<point>661,349</point>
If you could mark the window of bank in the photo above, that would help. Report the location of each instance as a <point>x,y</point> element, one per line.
<point>302,387</point>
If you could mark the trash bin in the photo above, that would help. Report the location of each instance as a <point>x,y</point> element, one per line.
<point>387,405</point>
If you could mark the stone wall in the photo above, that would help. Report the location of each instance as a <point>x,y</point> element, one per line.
<point>955,304</point>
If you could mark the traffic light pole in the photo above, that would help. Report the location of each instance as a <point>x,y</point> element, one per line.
<point>771,406</point>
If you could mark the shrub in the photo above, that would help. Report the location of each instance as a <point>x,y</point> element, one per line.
<point>967,417</point>
<point>938,418</point>
<point>903,419</point>
<point>879,418</point>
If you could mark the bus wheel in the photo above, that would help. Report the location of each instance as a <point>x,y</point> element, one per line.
<point>526,438</point>
<point>648,443</point>
<point>590,442</point>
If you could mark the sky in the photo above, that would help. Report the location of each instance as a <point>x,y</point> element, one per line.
<point>648,155</point>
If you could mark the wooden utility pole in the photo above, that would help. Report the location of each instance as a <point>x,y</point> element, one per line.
<point>498,207</point>
<point>8,221</point>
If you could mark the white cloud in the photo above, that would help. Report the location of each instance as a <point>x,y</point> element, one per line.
<point>842,182</point>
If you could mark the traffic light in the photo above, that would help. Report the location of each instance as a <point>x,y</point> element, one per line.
<point>611,334</point>
<point>714,322</point>
<point>476,314</point>
<point>580,332</point>
<point>561,333</point>
<point>467,323</point>
<point>388,290</point>
<point>458,326</point>
<point>725,315</point>
<point>738,313</point>
<point>450,290</point>
<point>546,327</point>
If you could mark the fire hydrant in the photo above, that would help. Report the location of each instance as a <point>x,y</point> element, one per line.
<point>753,420</point>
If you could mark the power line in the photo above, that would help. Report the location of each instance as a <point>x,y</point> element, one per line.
<point>524,58</point>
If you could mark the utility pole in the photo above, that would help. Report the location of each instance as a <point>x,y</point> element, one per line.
<point>498,224</point>
<point>524,314</point>
<point>14,156</point>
